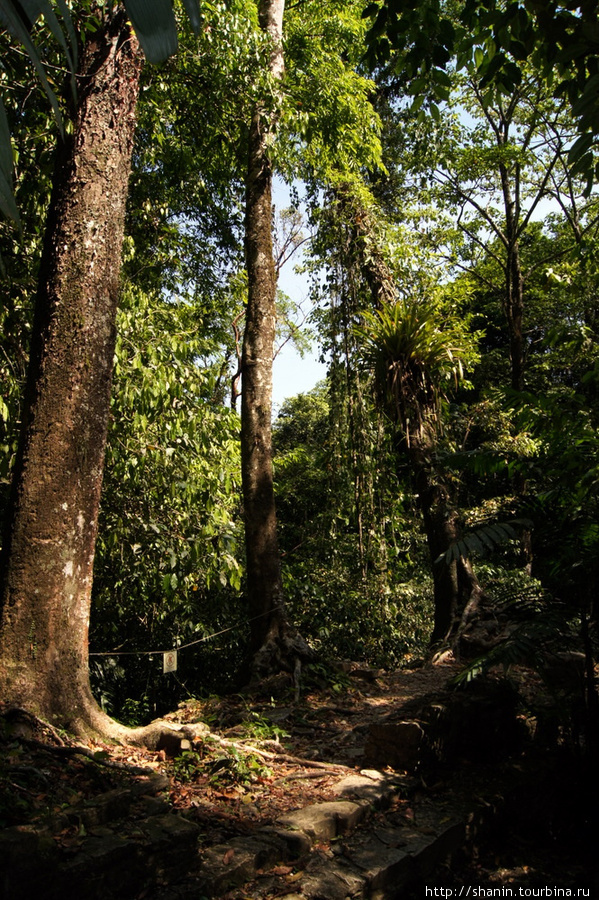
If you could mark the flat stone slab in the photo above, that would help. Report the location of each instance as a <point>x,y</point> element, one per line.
<point>335,880</point>
<point>170,829</point>
<point>395,744</point>
<point>116,803</point>
<point>232,864</point>
<point>444,843</point>
<point>107,866</point>
<point>297,843</point>
<point>325,821</point>
<point>383,866</point>
<point>374,788</point>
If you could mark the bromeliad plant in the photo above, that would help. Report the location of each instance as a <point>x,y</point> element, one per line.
<point>416,351</point>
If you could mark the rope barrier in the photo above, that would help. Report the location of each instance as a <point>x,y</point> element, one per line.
<point>201,640</point>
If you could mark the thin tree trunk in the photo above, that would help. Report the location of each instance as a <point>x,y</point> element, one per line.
<point>514,283</point>
<point>49,550</point>
<point>457,593</point>
<point>273,643</point>
<point>515,315</point>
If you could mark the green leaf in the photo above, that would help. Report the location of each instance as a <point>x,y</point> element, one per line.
<point>588,99</point>
<point>7,200</point>
<point>155,27</point>
<point>371,10</point>
<point>193,11</point>
<point>580,147</point>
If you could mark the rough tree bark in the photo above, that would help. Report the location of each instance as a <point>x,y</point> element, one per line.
<point>273,642</point>
<point>49,548</point>
<point>457,592</point>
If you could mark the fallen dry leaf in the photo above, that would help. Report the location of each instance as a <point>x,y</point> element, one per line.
<point>291,878</point>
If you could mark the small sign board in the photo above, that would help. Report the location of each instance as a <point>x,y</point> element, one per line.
<point>169,661</point>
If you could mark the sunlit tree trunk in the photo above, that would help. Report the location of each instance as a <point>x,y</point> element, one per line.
<point>48,552</point>
<point>273,641</point>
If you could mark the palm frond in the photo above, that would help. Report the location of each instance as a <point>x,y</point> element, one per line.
<point>485,537</point>
<point>530,643</point>
<point>17,19</point>
<point>155,26</point>
<point>519,649</point>
<point>7,200</point>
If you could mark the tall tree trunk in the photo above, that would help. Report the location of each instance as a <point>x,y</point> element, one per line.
<point>49,550</point>
<point>457,593</point>
<point>273,643</point>
<point>513,304</point>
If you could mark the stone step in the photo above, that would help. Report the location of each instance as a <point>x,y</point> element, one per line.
<point>114,856</point>
<point>336,852</point>
<point>228,865</point>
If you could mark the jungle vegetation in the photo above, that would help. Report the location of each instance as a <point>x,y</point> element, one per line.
<point>444,220</point>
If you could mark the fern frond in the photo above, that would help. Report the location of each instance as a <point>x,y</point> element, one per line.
<point>522,647</point>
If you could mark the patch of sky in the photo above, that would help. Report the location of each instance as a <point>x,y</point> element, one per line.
<point>297,367</point>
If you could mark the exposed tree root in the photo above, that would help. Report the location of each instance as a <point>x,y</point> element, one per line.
<point>283,757</point>
<point>158,735</point>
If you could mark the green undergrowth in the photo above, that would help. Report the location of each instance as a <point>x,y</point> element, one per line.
<point>219,767</point>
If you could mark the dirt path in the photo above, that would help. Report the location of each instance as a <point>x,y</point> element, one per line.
<point>159,823</point>
<point>251,761</point>
<point>327,726</point>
